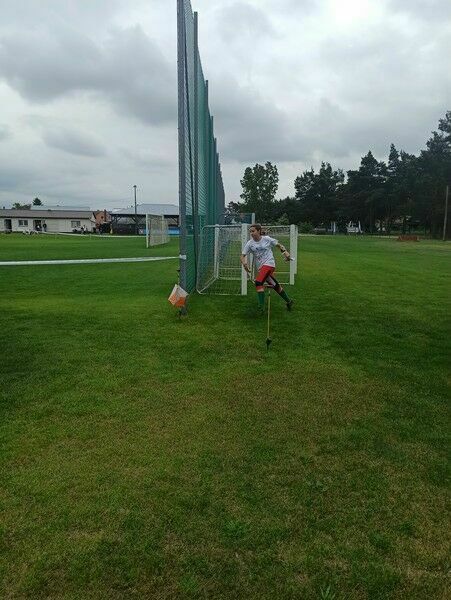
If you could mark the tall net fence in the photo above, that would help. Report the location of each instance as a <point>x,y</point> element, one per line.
<point>201,189</point>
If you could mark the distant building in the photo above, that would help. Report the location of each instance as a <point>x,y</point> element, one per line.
<point>59,207</point>
<point>101,217</point>
<point>45,219</point>
<point>124,220</point>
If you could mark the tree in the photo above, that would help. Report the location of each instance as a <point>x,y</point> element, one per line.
<point>366,190</point>
<point>444,126</point>
<point>260,184</point>
<point>329,182</point>
<point>291,208</point>
<point>317,194</point>
<point>305,194</point>
<point>283,220</point>
<point>37,202</point>
<point>435,173</point>
<point>408,187</point>
<point>232,213</point>
<point>393,187</point>
<point>400,187</point>
<point>18,206</point>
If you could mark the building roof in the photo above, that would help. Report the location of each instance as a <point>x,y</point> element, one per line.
<point>11,213</point>
<point>58,207</point>
<point>148,209</point>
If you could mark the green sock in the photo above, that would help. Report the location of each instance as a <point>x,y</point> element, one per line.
<point>283,294</point>
<point>261,299</point>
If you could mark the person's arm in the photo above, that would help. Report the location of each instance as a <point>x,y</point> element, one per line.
<point>277,244</point>
<point>283,250</point>
<point>243,259</point>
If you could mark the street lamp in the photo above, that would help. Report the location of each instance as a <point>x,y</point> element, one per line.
<point>136,214</point>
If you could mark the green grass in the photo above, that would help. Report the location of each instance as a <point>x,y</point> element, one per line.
<point>58,247</point>
<point>151,457</point>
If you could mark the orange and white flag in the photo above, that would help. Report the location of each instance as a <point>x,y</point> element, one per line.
<point>178,296</point>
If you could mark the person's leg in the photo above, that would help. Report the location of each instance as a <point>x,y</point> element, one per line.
<point>279,290</point>
<point>262,276</point>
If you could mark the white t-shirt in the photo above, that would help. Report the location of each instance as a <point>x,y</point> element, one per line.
<point>262,251</point>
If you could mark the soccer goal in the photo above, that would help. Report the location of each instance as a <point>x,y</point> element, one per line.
<point>219,268</point>
<point>287,235</point>
<point>157,232</point>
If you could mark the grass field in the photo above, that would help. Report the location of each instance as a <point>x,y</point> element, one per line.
<point>143,456</point>
<point>58,247</point>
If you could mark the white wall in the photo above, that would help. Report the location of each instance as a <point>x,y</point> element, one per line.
<point>53,225</point>
<point>65,225</point>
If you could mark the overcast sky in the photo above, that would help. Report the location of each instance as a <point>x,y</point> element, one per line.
<point>88,90</point>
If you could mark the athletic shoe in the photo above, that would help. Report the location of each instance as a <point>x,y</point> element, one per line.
<point>290,305</point>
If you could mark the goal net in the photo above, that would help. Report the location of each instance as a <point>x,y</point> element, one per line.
<point>219,268</point>
<point>157,232</point>
<point>287,235</point>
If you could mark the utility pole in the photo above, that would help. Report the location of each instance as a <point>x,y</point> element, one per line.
<point>136,213</point>
<point>445,221</point>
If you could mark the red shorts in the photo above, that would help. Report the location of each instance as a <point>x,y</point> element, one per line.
<point>265,275</point>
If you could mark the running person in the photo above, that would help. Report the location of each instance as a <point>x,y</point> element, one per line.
<point>261,247</point>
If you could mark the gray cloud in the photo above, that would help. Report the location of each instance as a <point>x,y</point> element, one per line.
<point>58,13</point>
<point>247,126</point>
<point>128,69</point>
<point>11,177</point>
<point>74,142</point>
<point>149,159</point>
<point>5,132</point>
<point>294,82</point>
<point>304,6</point>
<point>258,131</point>
<point>426,10</point>
<point>243,21</point>
<point>389,82</point>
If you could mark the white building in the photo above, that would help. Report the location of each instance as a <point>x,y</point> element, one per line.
<point>47,220</point>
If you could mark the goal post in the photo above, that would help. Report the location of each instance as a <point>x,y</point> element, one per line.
<point>157,231</point>
<point>294,237</point>
<point>219,267</point>
<point>244,276</point>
